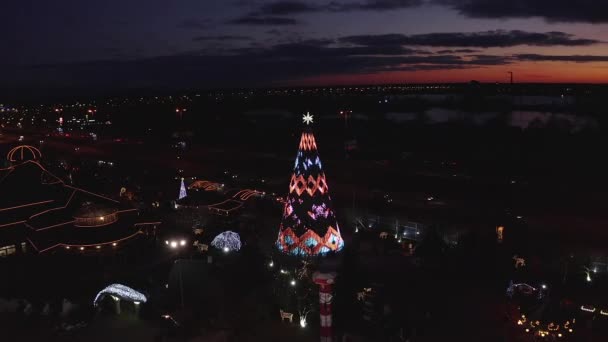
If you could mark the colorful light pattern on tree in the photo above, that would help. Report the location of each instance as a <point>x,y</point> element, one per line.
<point>309,226</point>
<point>121,291</point>
<point>227,240</point>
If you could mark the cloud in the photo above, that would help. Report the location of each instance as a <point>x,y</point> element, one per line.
<point>587,11</point>
<point>561,58</point>
<point>275,32</point>
<point>289,7</point>
<point>428,67</point>
<point>294,60</point>
<point>254,66</point>
<point>255,20</point>
<point>458,51</point>
<point>383,5</point>
<point>325,48</point>
<point>487,39</point>
<point>222,37</point>
<point>491,59</point>
<point>194,24</point>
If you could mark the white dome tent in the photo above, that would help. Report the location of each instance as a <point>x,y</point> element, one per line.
<point>120,292</point>
<point>227,241</point>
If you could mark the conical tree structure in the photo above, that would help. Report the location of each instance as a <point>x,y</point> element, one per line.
<point>182,191</point>
<point>309,226</point>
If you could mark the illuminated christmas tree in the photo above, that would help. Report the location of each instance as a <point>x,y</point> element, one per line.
<point>182,191</point>
<point>309,226</point>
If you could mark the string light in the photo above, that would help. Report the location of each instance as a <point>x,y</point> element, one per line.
<point>552,329</point>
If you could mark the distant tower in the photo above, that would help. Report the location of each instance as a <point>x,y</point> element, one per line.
<point>510,73</point>
<point>309,226</point>
<point>182,190</point>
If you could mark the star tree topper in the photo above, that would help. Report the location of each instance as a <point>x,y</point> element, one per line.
<point>307,119</point>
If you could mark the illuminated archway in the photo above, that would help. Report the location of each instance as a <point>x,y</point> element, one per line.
<point>121,292</point>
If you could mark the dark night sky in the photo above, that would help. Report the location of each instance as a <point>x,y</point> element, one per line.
<point>197,43</point>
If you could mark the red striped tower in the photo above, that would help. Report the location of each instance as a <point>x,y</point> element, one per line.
<point>325,282</point>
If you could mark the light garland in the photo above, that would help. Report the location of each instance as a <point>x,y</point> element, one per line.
<point>118,291</point>
<point>540,329</point>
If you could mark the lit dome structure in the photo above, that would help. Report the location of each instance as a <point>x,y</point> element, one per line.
<point>23,153</point>
<point>227,241</point>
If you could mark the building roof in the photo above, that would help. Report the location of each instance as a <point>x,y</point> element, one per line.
<point>41,208</point>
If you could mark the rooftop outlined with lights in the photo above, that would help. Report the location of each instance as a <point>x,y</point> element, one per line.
<point>48,213</point>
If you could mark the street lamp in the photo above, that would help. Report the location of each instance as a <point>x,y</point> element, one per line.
<point>174,244</point>
<point>588,273</point>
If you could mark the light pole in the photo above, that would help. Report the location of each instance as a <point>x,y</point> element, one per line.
<point>181,285</point>
<point>174,245</point>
